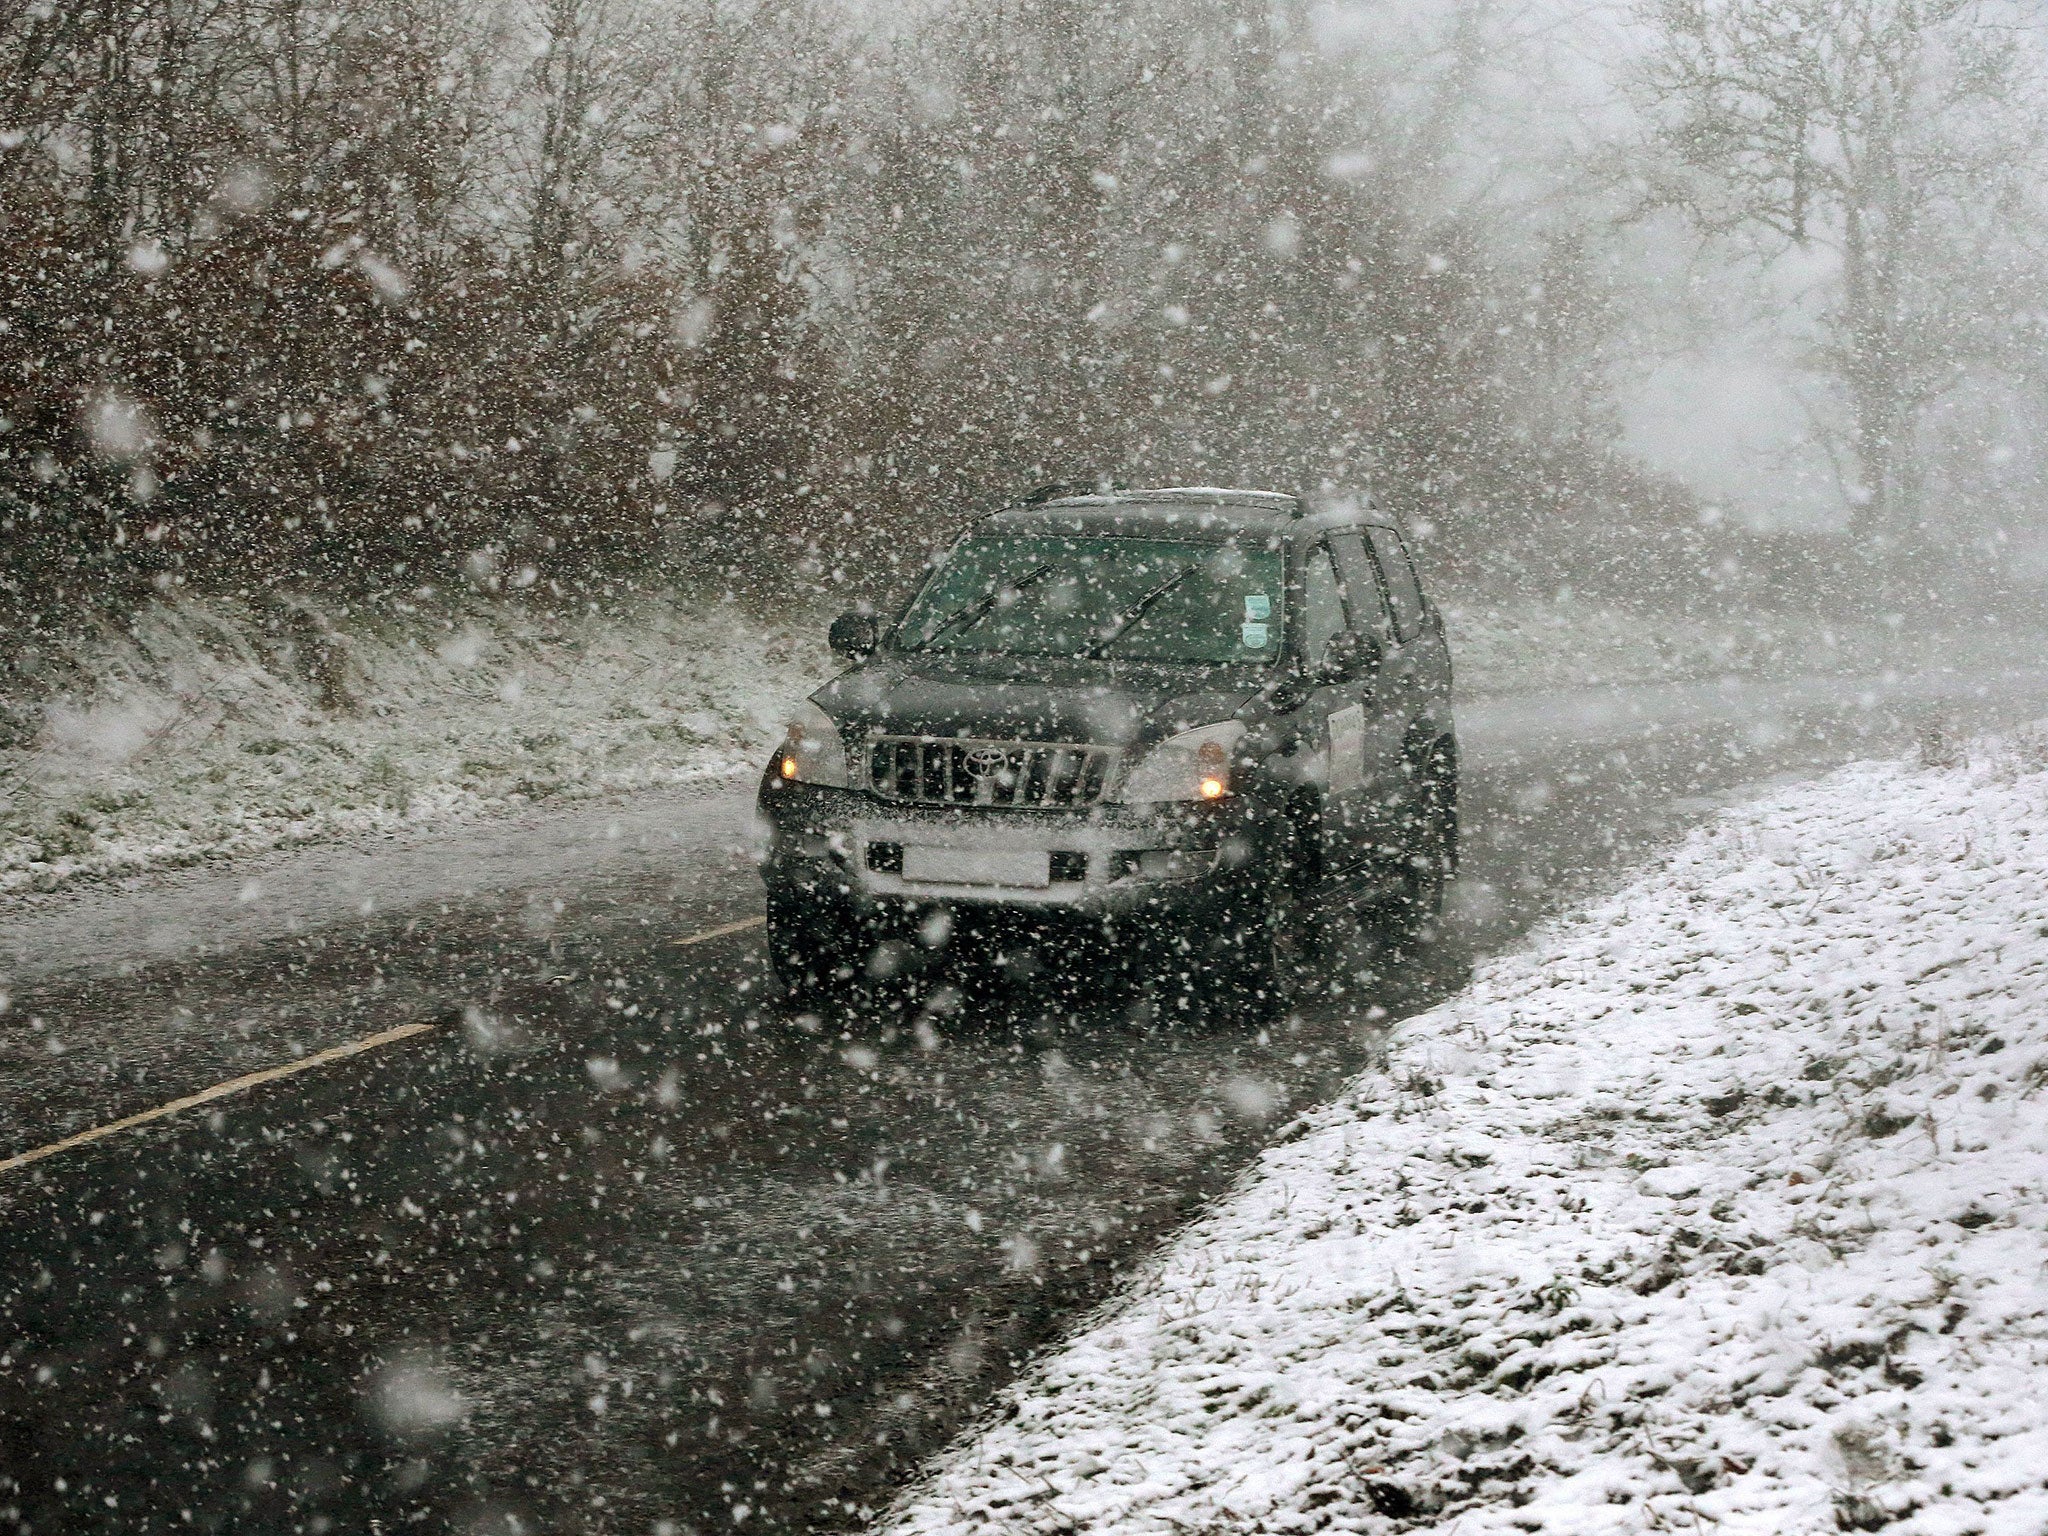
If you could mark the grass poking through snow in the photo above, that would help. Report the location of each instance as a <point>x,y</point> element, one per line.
<point>1722,1206</point>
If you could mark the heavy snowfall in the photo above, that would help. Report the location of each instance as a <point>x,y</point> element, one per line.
<point>1037,766</point>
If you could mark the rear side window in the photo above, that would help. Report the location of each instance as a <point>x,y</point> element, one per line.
<point>1364,590</point>
<point>1403,590</point>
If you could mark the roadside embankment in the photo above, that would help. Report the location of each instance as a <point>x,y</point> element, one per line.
<point>201,729</point>
<point>1721,1205</point>
<point>210,729</point>
<point>1538,644</point>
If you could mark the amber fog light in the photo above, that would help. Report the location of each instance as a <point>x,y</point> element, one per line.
<point>1191,766</point>
<point>811,751</point>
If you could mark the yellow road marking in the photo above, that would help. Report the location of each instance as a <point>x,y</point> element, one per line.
<point>718,933</point>
<point>271,1074</point>
<point>217,1091</point>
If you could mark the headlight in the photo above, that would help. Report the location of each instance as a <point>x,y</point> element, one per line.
<point>1195,765</point>
<point>811,752</point>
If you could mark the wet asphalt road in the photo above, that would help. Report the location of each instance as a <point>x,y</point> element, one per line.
<point>624,1246</point>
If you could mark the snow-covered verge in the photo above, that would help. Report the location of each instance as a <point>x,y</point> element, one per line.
<point>211,728</point>
<point>1722,1206</point>
<point>1546,644</point>
<point>206,729</point>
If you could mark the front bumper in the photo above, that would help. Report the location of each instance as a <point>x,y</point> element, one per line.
<point>1107,861</point>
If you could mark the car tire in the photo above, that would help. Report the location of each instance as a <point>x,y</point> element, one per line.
<point>812,946</point>
<point>1430,852</point>
<point>1281,947</point>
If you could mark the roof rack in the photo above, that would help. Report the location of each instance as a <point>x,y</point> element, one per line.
<point>1218,495</point>
<point>1194,495</point>
<point>1060,490</point>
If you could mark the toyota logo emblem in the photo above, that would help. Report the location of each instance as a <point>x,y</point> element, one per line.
<point>986,762</point>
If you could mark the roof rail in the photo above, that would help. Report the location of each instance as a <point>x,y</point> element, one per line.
<point>1055,490</point>
<point>1221,495</point>
<point>1197,495</point>
<point>1341,511</point>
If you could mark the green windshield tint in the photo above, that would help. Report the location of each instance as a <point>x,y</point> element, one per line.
<point>1133,599</point>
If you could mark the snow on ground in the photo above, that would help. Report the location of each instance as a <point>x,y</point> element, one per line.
<point>213,729</point>
<point>1719,1207</point>
<point>1564,642</point>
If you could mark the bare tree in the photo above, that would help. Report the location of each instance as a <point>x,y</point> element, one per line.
<point>565,281</point>
<point>1895,135</point>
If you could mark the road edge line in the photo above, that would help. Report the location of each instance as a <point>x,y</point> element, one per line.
<point>719,932</point>
<point>218,1091</point>
<point>250,1080</point>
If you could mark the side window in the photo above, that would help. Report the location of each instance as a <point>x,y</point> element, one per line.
<point>1402,588</point>
<point>1364,591</point>
<point>1322,605</point>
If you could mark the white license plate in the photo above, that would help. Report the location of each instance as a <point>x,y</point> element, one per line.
<point>978,866</point>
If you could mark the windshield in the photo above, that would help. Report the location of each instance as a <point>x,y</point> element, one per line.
<point>1130,598</point>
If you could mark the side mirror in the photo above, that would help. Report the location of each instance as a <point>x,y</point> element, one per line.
<point>854,636</point>
<point>1351,654</point>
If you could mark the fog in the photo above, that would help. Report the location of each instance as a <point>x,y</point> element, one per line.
<point>433,293</point>
<point>714,714</point>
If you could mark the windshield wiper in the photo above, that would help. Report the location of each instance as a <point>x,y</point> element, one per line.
<point>966,618</point>
<point>1138,610</point>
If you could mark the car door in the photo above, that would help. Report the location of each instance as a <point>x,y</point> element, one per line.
<point>1422,654</point>
<point>1342,716</point>
<point>1383,694</point>
<point>1428,658</point>
<point>1410,691</point>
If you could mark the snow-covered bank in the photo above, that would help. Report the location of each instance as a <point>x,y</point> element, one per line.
<point>1563,643</point>
<point>211,729</point>
<point>206,729</point>
<point>1720,1206</point>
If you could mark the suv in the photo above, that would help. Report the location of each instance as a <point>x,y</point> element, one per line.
<point>1187,716</point>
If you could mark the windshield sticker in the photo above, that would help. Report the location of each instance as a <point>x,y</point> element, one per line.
<point>1257,606</point>
<point>1254,637</point>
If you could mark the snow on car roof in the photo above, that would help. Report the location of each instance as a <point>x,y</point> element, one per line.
<point>1106,517</point>
<point>1201,495</point>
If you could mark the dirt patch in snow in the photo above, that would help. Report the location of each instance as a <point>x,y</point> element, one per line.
<point>1720,1206</point>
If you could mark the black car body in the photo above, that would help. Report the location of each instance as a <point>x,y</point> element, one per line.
<point>1272,725</point>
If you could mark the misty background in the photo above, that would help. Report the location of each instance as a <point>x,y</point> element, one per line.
<point>434,435</point>
<point>1693,302</point>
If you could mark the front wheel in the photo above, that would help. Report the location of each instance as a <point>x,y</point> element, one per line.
<point>813,947</point>
<point>1282,948</point>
